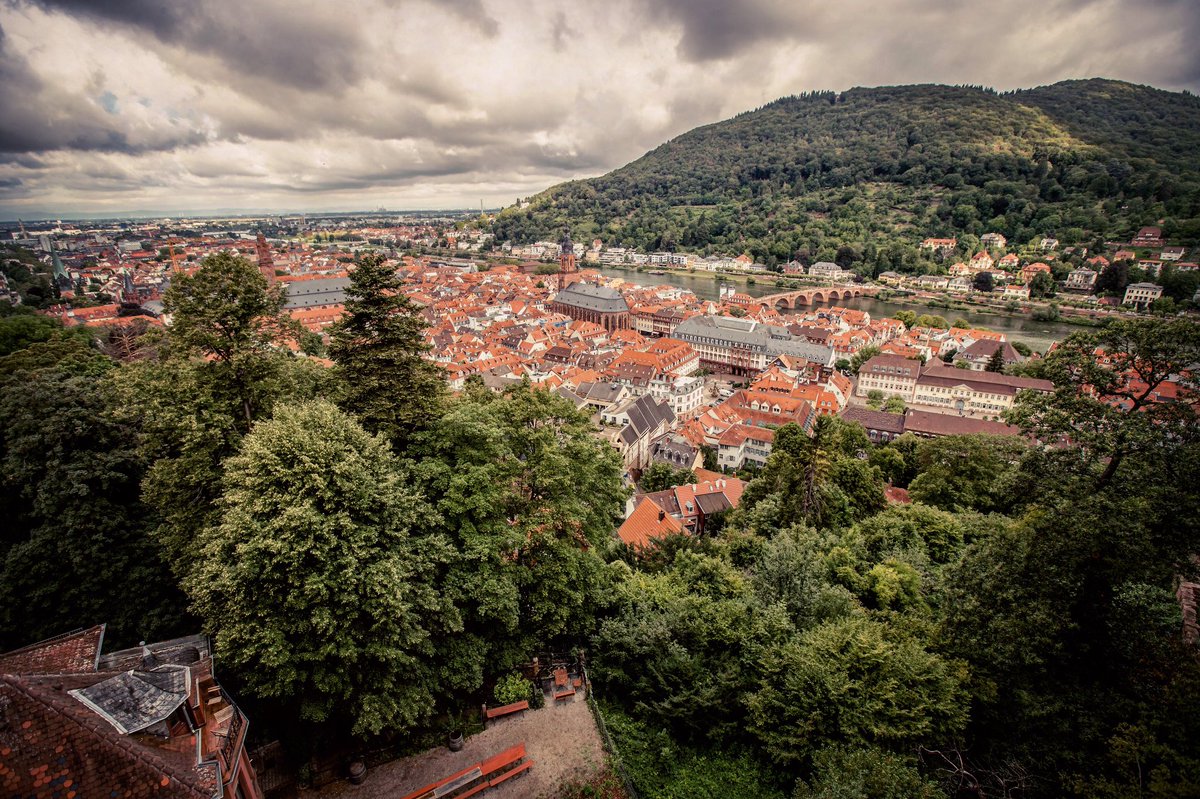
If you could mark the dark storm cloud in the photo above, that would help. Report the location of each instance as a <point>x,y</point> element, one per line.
<point>561,32</point>
<point>216,98</point>
<point>253,40</point>
<point>471,11</point>
<point>717,29</point>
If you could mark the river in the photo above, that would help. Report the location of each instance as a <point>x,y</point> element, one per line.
<point>1038,335</point>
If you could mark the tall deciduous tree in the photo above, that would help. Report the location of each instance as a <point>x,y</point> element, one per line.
<point>377,346</point>
<point>1112,397</point>
<point>226,315</point>
<point>223,368</point>
<point>529,497</point>
<point>313,584</point>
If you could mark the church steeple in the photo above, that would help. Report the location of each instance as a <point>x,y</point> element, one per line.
<point>266,264</point>
<point>566,260</point>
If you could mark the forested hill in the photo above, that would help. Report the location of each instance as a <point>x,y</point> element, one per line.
<point>807,174</point>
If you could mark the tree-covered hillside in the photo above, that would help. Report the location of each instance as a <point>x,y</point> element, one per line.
<point>876,170</point>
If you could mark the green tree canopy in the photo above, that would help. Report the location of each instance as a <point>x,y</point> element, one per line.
<point>529,497</point>
<point>314,584</point>
<point>377,345</point>
<point>856,682</point>
<point>75,543</point>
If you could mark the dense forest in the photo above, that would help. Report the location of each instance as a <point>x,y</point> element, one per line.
<point>373,556</point>
<point>870,172</point>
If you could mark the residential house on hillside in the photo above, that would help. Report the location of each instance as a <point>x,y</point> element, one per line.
<point>1140,295</point>
<point>993,241</point>
<point>1081,280</point>
<point>939,246</point>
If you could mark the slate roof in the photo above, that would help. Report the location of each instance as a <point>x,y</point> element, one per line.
<point>319,291</point>
<point>589,297</point>
<point>993,382</point>
<point>751,335</point>
<point>645,414</point>
<point>181,651</point>
<point>875,420</point>
<point>55,746</point>
<point>132,701</point>
<point>944,424</point>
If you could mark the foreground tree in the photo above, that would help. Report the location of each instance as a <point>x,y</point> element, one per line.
<point>75,543</point>
<point>226,315</point>
<point>1129,388</point>
<point>528,497</point>
<point>312,584</point>
<point>660,476</point>
<point>223,367</point>
<point>378,347</point>
<point>855,681</point>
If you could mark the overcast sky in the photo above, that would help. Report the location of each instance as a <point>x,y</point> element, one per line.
<point>201,105</point>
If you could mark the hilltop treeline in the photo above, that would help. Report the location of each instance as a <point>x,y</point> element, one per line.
<point>876,170</point>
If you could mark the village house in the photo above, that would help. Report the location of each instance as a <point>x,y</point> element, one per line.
<point>993,241</point>
<point>939,246</point>
<point>1140,295</point>
<point>979,354</point>
<point>1081,280</point>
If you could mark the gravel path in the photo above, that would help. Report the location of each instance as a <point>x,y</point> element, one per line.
<point>561,740</point>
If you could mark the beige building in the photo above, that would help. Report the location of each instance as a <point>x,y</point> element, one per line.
<point>971,393</point>
<point>1140,295</point>
<point>891,374</point>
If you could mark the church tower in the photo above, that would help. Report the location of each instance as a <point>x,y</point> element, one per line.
<point>266,264</point>
<point>566,260</point>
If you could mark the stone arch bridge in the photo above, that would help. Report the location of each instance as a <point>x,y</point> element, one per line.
<point>790,300</point>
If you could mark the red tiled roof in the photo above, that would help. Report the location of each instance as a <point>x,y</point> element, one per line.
<point>57,747</point>
<point>70,653</point>
<point>647,522</point>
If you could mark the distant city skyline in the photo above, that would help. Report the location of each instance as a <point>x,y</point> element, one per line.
<point>140,107</point>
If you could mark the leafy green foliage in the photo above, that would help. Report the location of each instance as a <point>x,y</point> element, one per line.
<point>18,331</point>
<point>75,543</point>
<point>823,173</point>
<point>513,688</point>
<point>853,680</point>
<point>662,768</point>
<point>848,773</point>
<point>819,480</point>
<point>660,476</point>
<point>314,583</point>
<point>528,497</point>
<point>972,472</point>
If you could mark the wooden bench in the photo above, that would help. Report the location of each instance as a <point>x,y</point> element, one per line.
<point>528,764</point>
<point>477,778</point>
<point>567,694</point>
<point>504,710</point>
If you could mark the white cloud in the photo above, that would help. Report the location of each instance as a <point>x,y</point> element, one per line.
<point>411,103</point>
